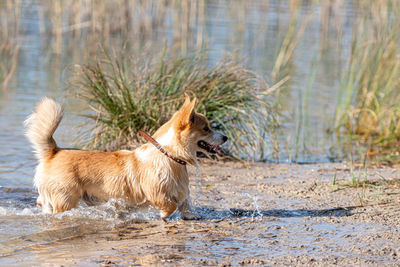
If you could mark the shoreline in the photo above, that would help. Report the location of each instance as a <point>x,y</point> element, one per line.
<point>250,215</point>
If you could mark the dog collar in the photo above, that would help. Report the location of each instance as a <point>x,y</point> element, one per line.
<point>159,147</point>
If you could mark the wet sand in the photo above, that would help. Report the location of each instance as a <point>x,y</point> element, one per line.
<point>254,214</point>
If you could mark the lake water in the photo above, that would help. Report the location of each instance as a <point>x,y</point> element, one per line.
<point>49,48</point>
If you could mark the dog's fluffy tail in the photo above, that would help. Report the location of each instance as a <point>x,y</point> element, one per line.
<point>41,125</point>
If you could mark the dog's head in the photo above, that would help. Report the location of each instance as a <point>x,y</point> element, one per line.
<point>190,131</point>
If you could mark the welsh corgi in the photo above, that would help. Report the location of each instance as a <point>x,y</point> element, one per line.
<point>154,173</point>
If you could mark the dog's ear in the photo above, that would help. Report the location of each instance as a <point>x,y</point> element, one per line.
<point>192,112</point>
<point>187,113</point>
<point>187,101</point>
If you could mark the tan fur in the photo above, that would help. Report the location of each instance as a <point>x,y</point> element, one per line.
<point>42,124</point>
<point>142,176</point>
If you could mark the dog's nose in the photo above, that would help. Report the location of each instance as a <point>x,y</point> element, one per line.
<point>224,138</point>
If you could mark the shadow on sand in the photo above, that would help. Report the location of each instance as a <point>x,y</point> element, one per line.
<point>207,213</point>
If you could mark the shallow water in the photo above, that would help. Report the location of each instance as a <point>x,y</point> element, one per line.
<point>254,32</point>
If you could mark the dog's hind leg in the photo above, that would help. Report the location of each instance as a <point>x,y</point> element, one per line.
<point>67,201</point>
<point>44,204</point>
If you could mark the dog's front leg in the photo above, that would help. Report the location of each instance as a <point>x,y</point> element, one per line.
<point>186,210</point>
<point>166,209</point>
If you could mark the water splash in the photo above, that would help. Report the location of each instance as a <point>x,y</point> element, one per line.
<point>198,179</point>
<point>114,210</point>
<point>12,211</point>
<point>257,213</point>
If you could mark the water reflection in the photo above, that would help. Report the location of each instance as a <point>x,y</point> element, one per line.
<point>302,40</point>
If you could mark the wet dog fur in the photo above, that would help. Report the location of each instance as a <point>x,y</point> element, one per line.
<point>142,176</point>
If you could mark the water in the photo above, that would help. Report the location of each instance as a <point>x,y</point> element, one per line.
<point>253,30</point>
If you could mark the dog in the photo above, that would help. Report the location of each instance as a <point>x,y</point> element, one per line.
<point>154,173</point>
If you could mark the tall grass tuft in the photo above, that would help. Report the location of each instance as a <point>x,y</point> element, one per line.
<point>369,100</point>
<point>138,93</point>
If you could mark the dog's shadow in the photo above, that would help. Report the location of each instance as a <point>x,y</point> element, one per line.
<point>208,213</point>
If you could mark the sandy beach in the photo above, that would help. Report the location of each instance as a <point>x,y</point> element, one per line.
<point>251,214</point>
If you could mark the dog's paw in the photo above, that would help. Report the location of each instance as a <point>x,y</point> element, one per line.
<point>190,216</point>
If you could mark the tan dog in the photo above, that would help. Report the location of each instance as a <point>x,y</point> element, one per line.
<point>142,176</point>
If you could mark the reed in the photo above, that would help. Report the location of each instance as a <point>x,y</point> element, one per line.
<point>368,108</point>
<point>288,45</point>
<point>138,93</point>
<point>133,23</point>
<point>9,47</point>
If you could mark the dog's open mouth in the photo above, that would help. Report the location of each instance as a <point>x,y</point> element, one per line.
<point>208,147</point>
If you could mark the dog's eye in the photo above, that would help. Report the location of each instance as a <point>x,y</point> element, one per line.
<point>206,129</point>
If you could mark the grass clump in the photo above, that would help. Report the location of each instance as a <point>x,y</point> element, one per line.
<point>138,93</point>
<point>369,100</point>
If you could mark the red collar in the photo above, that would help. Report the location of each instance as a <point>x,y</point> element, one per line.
<point>159,147</point>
